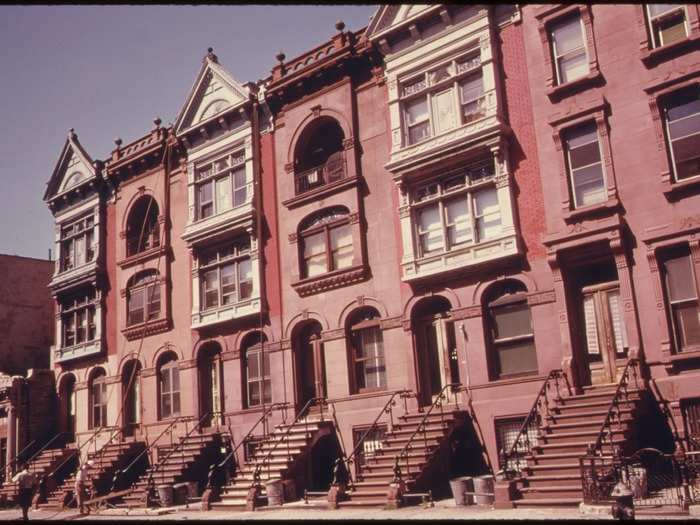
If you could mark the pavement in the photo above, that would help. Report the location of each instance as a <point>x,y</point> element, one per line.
<point>443,510</point>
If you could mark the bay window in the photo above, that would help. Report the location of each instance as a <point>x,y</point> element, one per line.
<point>226,274</point>
<point>666,23</point>
<point>222,185</point>
<point>569,49</point>
<point>78,319</point>
<point>585,166</point>
<point>326,243</point>
<point>442,98</point>
<point>682,296</point>
<point>457,210</point>
<point>77,246</point>
<point>143,297</point>
<point>682,119</point>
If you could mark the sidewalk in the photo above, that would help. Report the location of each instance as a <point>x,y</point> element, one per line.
<point>443,510</point>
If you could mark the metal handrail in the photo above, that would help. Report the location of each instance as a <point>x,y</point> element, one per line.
<point>533,416</point>
<point>100,455</point>
<point>233,453</point>
<point>161,462</point>
<point>386,409</point>
<point>455,387</point>
<point>614,407</point>
<point>322,173</point>
<point>85,443</point>
<point>266,459</point>
<point>15,460</point>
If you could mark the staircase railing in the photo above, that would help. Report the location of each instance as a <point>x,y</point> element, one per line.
<point>99,455</point>
<point>176,448</point>
<point>16,459</point>
<point>614,413</point>
<point>218,466</point>
<point>266,460</point>
<point>535,418</point>
<point>422,426</point>
<point>352,458</point>
<point>91,439</point>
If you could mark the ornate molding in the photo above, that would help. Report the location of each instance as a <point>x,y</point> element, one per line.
<point>330,281</point>
<point>548,296</point>
<point>146,329</point>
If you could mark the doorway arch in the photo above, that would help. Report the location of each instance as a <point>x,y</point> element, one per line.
<point>309,363</point>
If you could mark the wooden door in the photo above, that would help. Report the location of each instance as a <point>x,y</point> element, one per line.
<point>438,367</point>
<point>604,333</point>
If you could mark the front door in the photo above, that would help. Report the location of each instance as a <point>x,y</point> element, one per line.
<point>437,361</point>
<point>310,367</point>
<point>604,333</point>
<point>210,390</point>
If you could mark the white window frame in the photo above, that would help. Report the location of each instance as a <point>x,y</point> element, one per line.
<point>556,56</point>
<point>570,169</point>
<point>653,20</point>
<point>236,161</point>
<point>669,140</point>
<point>241,251</point>
<point>71,309</point>
<point>442,195</point>
<point>87,231</point>
<point>428,90</point>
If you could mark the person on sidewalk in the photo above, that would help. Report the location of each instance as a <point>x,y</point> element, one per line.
<point>27,486</point>
<point>81,482</point>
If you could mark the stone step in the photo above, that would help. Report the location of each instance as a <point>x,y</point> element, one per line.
<point>577,436</point>
<point>555,418</point>
<point>552,480</point>
<point>575,408</point>
<point>559,468</point>
<point>547,502</point>
<point>558,491</point>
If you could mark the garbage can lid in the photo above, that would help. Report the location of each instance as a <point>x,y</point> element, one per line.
<point>621,490</point>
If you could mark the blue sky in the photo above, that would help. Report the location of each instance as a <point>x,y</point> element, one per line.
<point>108,71</point>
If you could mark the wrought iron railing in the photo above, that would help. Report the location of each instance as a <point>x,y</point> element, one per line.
<point>91,440</point>
<point>359,447</point>
<point>421,429</point>
<point>221,465</point>
<point>282,438</point>
<point>18,458</point>
<point>613,416</point>
<point>333,170</point>
<point>510,460</point>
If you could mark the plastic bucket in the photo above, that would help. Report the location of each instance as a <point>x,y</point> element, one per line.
<point>165,494</point>
<point>275,492</point>
<point>459,486</point>
<point>483,485</point>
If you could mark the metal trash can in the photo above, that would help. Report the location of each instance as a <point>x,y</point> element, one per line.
<point>461,485</point>
<point>165,495</point>
<point>484,485</point>
<point>275,492</point>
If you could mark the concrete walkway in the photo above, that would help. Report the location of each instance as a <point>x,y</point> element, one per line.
<point>443,510</point>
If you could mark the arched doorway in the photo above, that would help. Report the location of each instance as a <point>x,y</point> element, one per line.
<point>67,396</point>
<point>435,347</point>
<point>210,372</point>
<point>131,394</point>
<point>309,364</point>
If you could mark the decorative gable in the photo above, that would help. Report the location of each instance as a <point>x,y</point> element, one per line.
<point>214,92</point>
<point>74,167</point>
<point>389,17</point>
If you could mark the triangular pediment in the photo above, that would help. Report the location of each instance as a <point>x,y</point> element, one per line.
<point>388,17</point>
<point>214,92</point>
<point>74,168</point>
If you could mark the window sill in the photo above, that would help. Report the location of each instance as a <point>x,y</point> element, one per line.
<point>652,57</point>
<point>320,192</point>
<point>141,257</point>
<point>74,275</point>
<point>511,380</point>
<point>577,214</point>
<point>330,281</point>
<point>693,352</point>
<point>676,190</point>
<point>156,326</point>
<point>66,353</point>
<point>229,312</point>
<point>556,93</point>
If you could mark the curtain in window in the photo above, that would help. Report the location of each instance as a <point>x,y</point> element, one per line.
<point>341,246</point>
<point>315,254</point>
<point>488,213</point>
<point>569,50</point>
<point>430,228</point>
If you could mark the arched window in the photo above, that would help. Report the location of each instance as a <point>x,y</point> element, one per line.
<point>131,380</point>
<point>142,232</point>
<point>326,242</point>
<point>169,386</point>
<point>98,399</point>
<point>510,329</point>
<point>256,370</point>
<point>143,297</point>
<point>366,351</point>
<point>319,157</point>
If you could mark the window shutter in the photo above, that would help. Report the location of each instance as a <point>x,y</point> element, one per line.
<point>618,323</point>
<point>591,325</point>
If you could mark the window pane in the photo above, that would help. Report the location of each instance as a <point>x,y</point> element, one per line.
<point>136,306</point>
<point>210,285</point>
<point>228,284</point>
<point>686,156</point>
<point>679,278</point>
<point>430,228</point>
<point>488,213</point>
<point>153,296</point>
<point>341,246</point>
<point>471,88</point>
<point>658,9</point>
<point>175,375</point>
<point>573,66</point>
<point>444,111</point>
<point>253,365</point>
<point>240,187</point>
<point>618,322</point>
<point>512,320</point>
<point>205,200</point>
<point>685,126</point>
<point>418,132</point>
<point>687,320</point>
<point>671,30</point>
<point>517,357</point>
<point>223,194</point>
<point>591,325</point>
<point>245,278</point>
<point>567,36</point>
<point>254,393</point>
<point>585,154</point>
<point>416,110</point>
<point>589,185</point>
<point>459,229</point>
<point>315,254</point>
